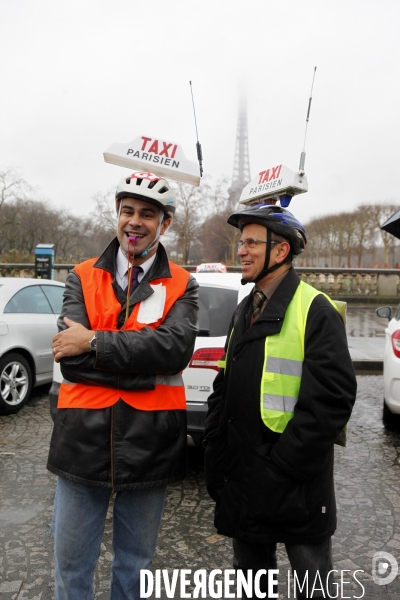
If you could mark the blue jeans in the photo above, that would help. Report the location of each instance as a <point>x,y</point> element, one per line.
<point>77,527</point>
<point>305,560</point>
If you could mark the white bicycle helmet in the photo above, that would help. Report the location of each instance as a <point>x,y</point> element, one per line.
<point>149,188</point>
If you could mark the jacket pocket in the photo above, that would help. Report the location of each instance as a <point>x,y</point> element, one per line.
<point>274,496</point>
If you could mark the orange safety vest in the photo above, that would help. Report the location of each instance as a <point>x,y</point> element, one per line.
<point>103,309</point>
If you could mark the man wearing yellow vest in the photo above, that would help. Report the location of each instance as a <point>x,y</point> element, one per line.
<point>285,390</point>
<point>127,330</point>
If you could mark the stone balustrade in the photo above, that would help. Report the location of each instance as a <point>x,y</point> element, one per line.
<point>353,282</point>
<point>336,282</point>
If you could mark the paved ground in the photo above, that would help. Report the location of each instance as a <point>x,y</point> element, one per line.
<point>367,484</point>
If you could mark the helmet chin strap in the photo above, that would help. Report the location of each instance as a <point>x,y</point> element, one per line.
<point>265,270</point>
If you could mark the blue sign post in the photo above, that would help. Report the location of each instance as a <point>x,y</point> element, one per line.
<point>44,261</point>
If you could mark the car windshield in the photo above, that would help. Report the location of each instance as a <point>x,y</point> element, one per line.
<point>216,306</point>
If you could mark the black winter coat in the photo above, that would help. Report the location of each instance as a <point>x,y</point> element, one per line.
<point>272,487</point>
<point>123,447</point>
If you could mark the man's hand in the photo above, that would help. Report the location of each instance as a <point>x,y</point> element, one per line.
<point>72,341</point>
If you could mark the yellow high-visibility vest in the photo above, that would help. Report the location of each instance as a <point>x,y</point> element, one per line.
<point>283,360</point>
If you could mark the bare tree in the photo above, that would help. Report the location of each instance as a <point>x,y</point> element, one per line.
<point>190,212</point>
<point>104,214</point>
<point>377,214</point>
<point>346,228</point>
<point>219,238</point>
<point>321,242</point>
<point>363,235</point>
<point>12,186</point>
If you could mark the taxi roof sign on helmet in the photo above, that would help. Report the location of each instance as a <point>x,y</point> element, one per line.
<point>272,184</point>
<point>150,188</point>
<point>279,182</point>
<point>164,158</point>
<point>160,156</point>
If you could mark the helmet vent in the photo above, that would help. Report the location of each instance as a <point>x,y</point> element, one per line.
<point>163,190</point>
<point>152,184</point>
<point>138,181</point>
<point>128,180</point>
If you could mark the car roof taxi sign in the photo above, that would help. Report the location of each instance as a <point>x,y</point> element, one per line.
<point>279,182</point>
<point>159,156</point>
<point>274,183</point>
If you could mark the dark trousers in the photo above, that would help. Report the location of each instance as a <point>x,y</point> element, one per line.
<point>310,563</point>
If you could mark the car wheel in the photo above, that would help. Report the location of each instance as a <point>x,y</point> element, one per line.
<point>15,383</point>
<point>391,421</point>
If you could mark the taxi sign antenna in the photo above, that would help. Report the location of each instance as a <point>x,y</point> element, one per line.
<point>198,145</point>
<point>303,154</point>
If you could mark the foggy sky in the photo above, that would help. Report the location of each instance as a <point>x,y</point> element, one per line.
<point>78,76</point>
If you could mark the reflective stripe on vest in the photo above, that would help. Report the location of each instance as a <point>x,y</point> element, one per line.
<point>283,361</point>
<point>222,363</point>
<point>168,394</point>
<point>103,309</point>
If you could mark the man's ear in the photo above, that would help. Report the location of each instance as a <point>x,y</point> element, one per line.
<point>165,224</point>
<point>283,251</point>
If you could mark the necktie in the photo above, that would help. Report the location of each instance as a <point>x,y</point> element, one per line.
<point>134,280</point>
<point>258,300</point>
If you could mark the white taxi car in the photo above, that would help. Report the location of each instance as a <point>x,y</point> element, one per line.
<point>391,368</point>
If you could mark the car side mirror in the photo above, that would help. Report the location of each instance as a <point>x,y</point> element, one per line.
<point>384,312</point>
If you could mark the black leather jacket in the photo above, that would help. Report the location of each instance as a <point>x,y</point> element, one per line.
<point>122,447</point>
<point>271,487</point>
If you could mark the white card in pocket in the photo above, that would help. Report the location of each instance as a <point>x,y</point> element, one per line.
<point>152,309</point>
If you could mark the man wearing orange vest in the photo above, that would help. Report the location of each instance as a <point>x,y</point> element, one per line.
<point>127,330</point>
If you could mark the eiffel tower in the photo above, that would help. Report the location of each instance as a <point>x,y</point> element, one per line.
<point>241,166</point>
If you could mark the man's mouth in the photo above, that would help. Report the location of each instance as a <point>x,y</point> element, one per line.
<point>135,234</point>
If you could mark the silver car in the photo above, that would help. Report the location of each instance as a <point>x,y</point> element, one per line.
<point>28,321</point>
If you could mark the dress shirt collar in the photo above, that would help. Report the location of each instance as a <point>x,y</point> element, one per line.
<point>122,268</point>
<point>270,288</point>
